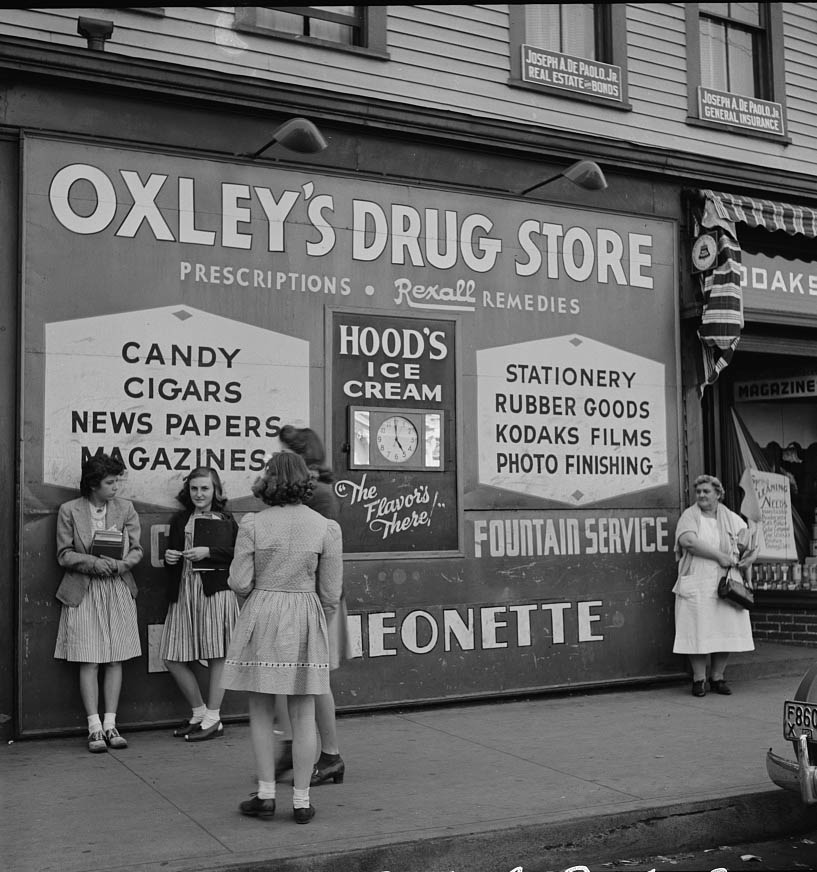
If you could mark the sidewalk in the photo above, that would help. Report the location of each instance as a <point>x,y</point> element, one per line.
<point>543,783</point>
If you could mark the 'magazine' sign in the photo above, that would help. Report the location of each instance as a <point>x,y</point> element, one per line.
<point>762,390</point>
<point>579,75</point>
<point>738,111</point>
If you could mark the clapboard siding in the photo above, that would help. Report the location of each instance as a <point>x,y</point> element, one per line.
<point>458,56</point>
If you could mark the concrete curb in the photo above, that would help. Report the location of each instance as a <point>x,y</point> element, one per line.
<point>557,845</point>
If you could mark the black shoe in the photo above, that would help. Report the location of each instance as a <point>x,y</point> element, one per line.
<point>185,728</point>
<point>260,808</point>
<point>325,771</point>
<point>303,815</point>
<point>699,688</point>
<point>284,762</point>
<point>720,686</point>
<point>202,735</point>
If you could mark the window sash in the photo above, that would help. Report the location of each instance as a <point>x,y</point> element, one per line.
<point>732,51</point>
<point>314,22</point>
<point>578,29</point>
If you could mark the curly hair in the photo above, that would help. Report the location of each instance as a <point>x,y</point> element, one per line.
<point>219,500</point>
<point>95,469</point>
<point>710,479</point>
<point>306,442</point>
<point>286,480</point>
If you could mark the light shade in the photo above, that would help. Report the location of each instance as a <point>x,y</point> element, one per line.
<point>586,174</point>
<point>297,134</point>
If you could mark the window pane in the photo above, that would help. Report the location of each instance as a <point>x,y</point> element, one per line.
<point>741,63</point>
<point>542,27</point>
<point>713,55</point>
<point>347,10</point>
<point>330,31</point>
<point>283,22</point>
<point>579,34</point>
<point>721,9</point>
<point>748,13</point>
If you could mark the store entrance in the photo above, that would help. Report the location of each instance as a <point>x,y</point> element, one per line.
<point>768,419</point>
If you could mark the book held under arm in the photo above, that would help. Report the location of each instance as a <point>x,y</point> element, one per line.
<point>108,543</point>
<point>212,533</point>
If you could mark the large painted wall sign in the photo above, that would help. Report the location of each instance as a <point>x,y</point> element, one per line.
<point>571,419</point>
<point>168,390</point>
<point>495,380</point>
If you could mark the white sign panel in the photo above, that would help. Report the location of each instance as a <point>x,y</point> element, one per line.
<point>169,389</point>
<point>571,419</point>
<point>740,111</point>
<point>540,66</point>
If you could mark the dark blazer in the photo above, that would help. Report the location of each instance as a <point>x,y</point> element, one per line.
<point>213,580</point>
<point>75,530</point>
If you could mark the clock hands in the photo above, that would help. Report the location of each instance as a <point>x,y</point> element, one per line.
<point>397,439</point>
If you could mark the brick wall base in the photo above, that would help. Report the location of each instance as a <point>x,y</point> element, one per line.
<point>790,627</point>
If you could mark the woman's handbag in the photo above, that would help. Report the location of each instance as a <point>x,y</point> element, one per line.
<point>735,590</point>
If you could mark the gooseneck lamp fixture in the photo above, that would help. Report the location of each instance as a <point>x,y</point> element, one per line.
<point>297,134</point>
<point>586,174</point>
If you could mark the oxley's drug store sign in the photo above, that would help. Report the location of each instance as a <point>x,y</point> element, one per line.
<point>178,312</point>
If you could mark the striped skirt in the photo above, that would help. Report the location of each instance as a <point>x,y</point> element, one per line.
<point>198,627</point>
<point>102,628</point>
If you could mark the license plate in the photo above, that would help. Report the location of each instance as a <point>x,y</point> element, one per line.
<point>799,719</point>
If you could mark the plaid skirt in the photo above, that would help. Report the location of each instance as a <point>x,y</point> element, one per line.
<point>102,628</point>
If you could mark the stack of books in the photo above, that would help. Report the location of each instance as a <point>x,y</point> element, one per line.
<point>212,533</point>
<point>108,543</point>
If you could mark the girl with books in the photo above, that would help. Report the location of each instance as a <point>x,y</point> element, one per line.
<point>202,609</point>
<point>98,619</point>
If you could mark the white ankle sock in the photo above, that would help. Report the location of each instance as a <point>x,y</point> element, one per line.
<point>94,724</point>
<point>300,798</point>
<point>266,790</point>
<point>110,721</point>
<point>211,717</point>
<point>198,714</point>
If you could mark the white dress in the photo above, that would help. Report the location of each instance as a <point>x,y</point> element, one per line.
<point>705,623</point>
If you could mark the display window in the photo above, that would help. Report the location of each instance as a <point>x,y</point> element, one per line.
<point>769,422</point>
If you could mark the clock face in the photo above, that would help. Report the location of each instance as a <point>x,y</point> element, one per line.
<point>397,439</point>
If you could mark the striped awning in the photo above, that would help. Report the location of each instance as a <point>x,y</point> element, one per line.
<point>768,214</point>
<point>722,317</point>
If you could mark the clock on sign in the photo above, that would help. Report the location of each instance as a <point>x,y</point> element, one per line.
<point>390,438</point>
<point>397,438</point>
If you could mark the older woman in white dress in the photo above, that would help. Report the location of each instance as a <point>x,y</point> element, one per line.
<point>709,539</point>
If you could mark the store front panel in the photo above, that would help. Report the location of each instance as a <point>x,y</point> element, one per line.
<point>765,401</point>
<point>496,381</point>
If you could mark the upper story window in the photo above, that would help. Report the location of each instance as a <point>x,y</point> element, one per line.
<point>351,28</point>
<point>576,50</point>
<point>733,48</point>
<point>735,67</point>
<point>578,29</point>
